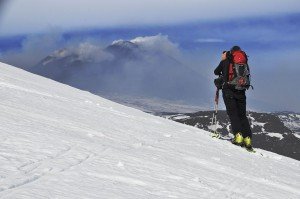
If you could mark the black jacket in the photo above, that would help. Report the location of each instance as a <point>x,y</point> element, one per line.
<point>223,69</point>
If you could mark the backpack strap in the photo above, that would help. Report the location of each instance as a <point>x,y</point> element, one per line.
<point>230,72</point>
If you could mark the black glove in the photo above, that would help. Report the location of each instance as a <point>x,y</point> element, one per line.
<point>219,82</point>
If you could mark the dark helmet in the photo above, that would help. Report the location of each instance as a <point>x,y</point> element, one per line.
<point>235,48</point>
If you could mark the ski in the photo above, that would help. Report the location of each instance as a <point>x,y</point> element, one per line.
<point>216,135</point>
<point>250,150</point>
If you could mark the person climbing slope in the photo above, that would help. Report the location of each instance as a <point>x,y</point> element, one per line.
<point>235,80</point>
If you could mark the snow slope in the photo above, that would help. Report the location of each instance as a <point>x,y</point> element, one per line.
<point>60,142</point>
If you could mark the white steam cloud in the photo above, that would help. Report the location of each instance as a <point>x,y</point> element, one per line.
<point>33,49</point>
<point>158,44</point>
<point>85,52</point>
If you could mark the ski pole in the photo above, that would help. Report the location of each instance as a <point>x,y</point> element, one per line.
<point>215,133</point>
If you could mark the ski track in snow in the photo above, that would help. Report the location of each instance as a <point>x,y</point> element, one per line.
<point>60,142</point>
<point>33,170</point>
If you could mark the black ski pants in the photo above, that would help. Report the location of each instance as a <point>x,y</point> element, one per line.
<point>235,102</point>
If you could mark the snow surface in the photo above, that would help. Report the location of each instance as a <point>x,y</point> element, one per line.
<point>60,142</point>
<point>178,117</point>
<point>214,127</point>
<point>153,105</point>
<point>297,135</point>
<point>277,135</point>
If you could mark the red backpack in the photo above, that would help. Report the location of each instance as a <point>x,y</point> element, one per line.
<point>239,73</point>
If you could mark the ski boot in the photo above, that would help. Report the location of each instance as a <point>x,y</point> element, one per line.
<point>238,139</point>
<point>248,144</point>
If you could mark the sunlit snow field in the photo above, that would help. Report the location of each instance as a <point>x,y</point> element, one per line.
<point>59,142</point>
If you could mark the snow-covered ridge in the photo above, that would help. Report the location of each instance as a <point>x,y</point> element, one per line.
<point>270,131</point>
<point>291,120</point>
<point>61,142</point>
<point>84,52</point>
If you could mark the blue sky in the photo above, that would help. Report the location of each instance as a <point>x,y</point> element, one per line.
<point>33,16</point>
<point>257,33</point>
<point>269,31</point>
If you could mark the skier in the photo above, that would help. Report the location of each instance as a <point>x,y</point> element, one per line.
<point>234,95</point>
